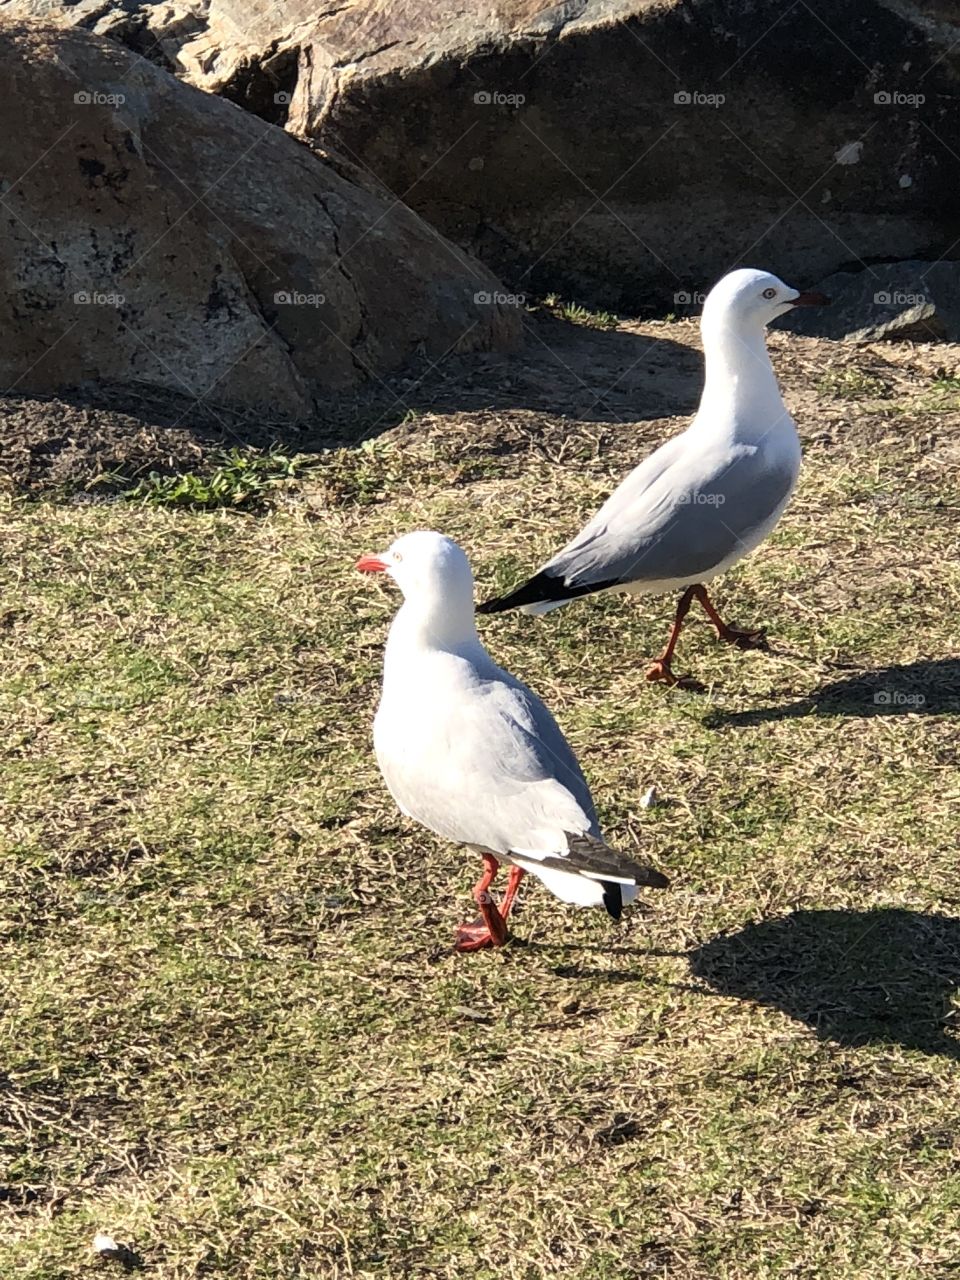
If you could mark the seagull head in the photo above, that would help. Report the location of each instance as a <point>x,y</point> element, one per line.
<point>751,299</point>
<point>430,569</point>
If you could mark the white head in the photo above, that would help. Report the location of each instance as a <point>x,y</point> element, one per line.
<point>750,299</point>
<point>436,580</point>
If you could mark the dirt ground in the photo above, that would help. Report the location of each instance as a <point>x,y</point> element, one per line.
<point>565,374</point>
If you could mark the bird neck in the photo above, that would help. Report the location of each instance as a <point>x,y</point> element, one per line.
<point>425,625</point>
<point>740,385</point>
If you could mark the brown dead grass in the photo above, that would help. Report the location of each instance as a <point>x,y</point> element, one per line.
<point>233,1032</point>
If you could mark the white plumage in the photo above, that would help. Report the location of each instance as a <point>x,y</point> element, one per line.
<point>709,496</point>
<point>469,751</point>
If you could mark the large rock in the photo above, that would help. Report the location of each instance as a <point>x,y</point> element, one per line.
<point>619,150</point>
<point>916,301</point>
<point>151,233</point>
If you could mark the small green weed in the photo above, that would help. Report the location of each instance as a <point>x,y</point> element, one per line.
<point>243,477</point>
<point>852,384</point>
<point>577,314</point>
<point>362,475</point>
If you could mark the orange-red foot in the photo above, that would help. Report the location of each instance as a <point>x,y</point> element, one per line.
<point>473,937</point>
<point>477,936</point>
<point>660,672</point>
<point>744,639</point>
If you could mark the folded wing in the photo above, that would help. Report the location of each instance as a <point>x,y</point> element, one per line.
<point>488,766</point>
<point>672,522</point>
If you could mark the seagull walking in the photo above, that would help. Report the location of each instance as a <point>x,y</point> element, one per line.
<point>471,753</point>
<point>706,498</point>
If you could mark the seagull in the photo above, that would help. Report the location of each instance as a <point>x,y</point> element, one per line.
<point>706,498</point>
<point>472,754</point>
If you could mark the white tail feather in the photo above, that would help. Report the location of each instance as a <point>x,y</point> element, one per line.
<point>543,606</point>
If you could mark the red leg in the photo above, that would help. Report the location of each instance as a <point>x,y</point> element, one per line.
<point>513,884</point>
<point>729,635</point>
<point>490,930</point>
<point>661,669</point>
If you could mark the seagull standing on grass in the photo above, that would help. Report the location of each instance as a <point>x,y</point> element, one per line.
<point>706,498</point>
<point>474,755</point>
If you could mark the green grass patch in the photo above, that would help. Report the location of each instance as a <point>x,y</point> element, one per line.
<point>576,313</point>
<point>238,477</point>
<point>233,1033</point>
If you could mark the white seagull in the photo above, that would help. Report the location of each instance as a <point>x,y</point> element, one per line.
<point>706,498</point>
<point>474,755</point>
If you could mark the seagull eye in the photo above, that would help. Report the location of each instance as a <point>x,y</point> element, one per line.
<point>769,293</point>
<point>397,556</point>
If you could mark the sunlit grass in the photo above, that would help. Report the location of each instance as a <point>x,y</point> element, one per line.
<point>234,1034</point>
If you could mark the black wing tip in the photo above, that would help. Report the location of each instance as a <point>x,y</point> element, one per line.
<point>613,893</point>
<point>593,855</point>
<point>493,606</point>
<point>543,588</point>
<point>536,590</point>
<point>612,899</point>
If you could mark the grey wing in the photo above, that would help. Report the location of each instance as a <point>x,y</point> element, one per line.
<point>689,520</point>
<point>499,773</point>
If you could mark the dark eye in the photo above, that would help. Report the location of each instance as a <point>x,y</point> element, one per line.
<point>769,293</point>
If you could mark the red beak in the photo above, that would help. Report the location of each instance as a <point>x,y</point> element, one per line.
<point>371,564</point>
<point>810,300</point>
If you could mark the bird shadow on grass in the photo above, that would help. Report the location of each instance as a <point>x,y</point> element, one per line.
<point>886,976</point>
<point>915,688</point>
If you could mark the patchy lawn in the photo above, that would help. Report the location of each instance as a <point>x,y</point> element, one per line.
<point>234,1034</point>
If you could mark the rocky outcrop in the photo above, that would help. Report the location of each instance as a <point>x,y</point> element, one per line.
<point>153,234</point>
<point>622,151</point>
<point>916,301</point>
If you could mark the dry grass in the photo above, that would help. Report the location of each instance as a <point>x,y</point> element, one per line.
<point>234,1034</point>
